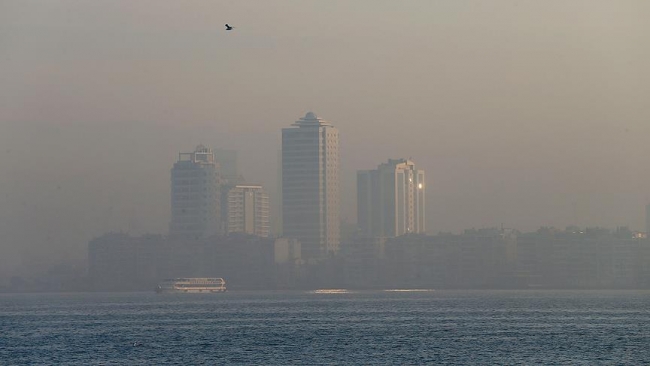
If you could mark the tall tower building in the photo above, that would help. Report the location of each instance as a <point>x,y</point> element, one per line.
<point>246,210</point>
<point>227,161</point>
<point>276,199</point>
<point>195,195</point>
<point>391,199</point>
<point>310,185</point>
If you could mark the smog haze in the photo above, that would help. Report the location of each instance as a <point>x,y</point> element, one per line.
<point>522,113</point>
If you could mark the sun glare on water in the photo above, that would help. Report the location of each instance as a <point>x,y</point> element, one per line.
<point>330,291</point>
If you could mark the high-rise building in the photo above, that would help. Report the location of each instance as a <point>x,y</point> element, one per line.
<point>276,199</point>
<point>245,209</point>
<point>195,195</point>
<point>227,160</point>
<point>310,185</point>
<point>391,199</point>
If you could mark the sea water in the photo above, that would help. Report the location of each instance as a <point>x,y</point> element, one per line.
<point>327,328</point>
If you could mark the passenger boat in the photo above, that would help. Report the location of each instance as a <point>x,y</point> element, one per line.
<point>192,285</point>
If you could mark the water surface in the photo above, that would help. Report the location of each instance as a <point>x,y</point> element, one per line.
<point>318,328</point>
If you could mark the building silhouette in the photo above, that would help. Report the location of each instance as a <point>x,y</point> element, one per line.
<point>195,195</point>
<point>228,168</point>
<point>391,199</point>
<point>120,262</point>
<point>310,186</point>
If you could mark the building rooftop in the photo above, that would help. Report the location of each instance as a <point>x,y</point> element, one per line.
<point>311,120</point>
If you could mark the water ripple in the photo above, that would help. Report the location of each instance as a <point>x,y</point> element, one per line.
<point>383,327</point>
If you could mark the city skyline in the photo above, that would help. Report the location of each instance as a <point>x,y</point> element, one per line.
<point>372,181</point>
<point>525,114</point>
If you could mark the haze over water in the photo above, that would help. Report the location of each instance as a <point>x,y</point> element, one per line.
<point>521,113</point>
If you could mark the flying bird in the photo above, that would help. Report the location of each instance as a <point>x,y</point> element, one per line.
<point>228,27</point>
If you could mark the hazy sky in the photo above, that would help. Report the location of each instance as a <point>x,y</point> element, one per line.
<point>525,113</point>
